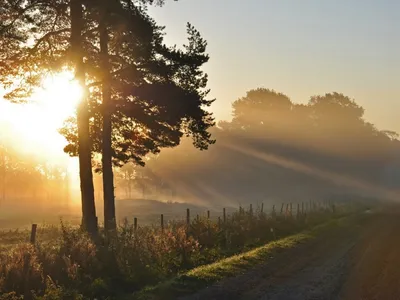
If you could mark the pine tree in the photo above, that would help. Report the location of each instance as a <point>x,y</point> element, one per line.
<point>158,93</point>
<point>141,95</point>
<point>108,176</point>
<point>85,152</point>
<point>42,37</point>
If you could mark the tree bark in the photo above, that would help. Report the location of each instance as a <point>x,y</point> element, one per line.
<point>89,220</point>
<point>108,176</point>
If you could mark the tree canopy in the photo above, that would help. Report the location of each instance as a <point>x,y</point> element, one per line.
<point>309,150</point>
<point>158,96</point>
<point>139,94</point>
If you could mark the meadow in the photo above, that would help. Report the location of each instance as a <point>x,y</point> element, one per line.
<point>64,263</point>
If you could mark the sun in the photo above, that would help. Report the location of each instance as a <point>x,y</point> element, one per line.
<point>39,120</point>
<point>33,127</point>
<point>36,123</point>
<point>57,98</point>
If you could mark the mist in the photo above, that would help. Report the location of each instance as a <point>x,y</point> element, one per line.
<point>275,151</point>
<point>271,151</point>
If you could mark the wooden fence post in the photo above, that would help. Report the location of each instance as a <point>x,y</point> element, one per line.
<point>208,214</point>
<point>162,223</point>
<point>219,222</point>
<point>33,233</point>
<point>251,210</point>
<point>188,217</point>
<point>224,215</point>
<point>135,224</point>
<point>187,222</point>
<point>273,211</point>
<point>262,208</point>
<point>197,218</point>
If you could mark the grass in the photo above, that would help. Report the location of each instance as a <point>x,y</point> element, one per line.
<point>66,264</point>
<point>203,276</point>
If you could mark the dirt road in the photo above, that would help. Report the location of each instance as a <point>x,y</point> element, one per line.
<point>357,262</point>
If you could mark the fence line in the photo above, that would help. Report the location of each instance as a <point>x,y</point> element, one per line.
<point>302,210</point>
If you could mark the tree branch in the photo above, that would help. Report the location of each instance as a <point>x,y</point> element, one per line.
<point>47,36</point>
<point>20,14</point>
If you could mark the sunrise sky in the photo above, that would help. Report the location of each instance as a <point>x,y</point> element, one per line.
<point>300,48</point>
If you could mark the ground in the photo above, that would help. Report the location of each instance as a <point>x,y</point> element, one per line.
<point>361,261</point>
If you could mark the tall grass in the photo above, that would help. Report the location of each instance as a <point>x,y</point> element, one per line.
<point>67,264</point>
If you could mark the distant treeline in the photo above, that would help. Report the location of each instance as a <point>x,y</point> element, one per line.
<point>28,182</point>
<point>274,149</point>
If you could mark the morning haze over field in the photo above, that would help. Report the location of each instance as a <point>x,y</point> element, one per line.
<point>298,48</point>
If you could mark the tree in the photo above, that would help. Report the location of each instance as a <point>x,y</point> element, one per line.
<point>335,110</point>
<point>260,108</point>
<point>141,68</point>
<point>84,153</point>
<point>125,179</point>
<point>313,160</point>
<point>108,178</point>
<point>26,178</point>
<point>41,37</point>
<point>157,94</point>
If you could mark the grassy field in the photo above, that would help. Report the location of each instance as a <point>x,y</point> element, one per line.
<point>147,211</point>
<point>65,263</point>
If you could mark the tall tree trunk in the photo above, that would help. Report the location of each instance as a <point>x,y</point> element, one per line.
<point>108,177</point>
<point>89,220</point>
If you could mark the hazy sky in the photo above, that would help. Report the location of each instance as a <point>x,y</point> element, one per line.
<point>298,47</point>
